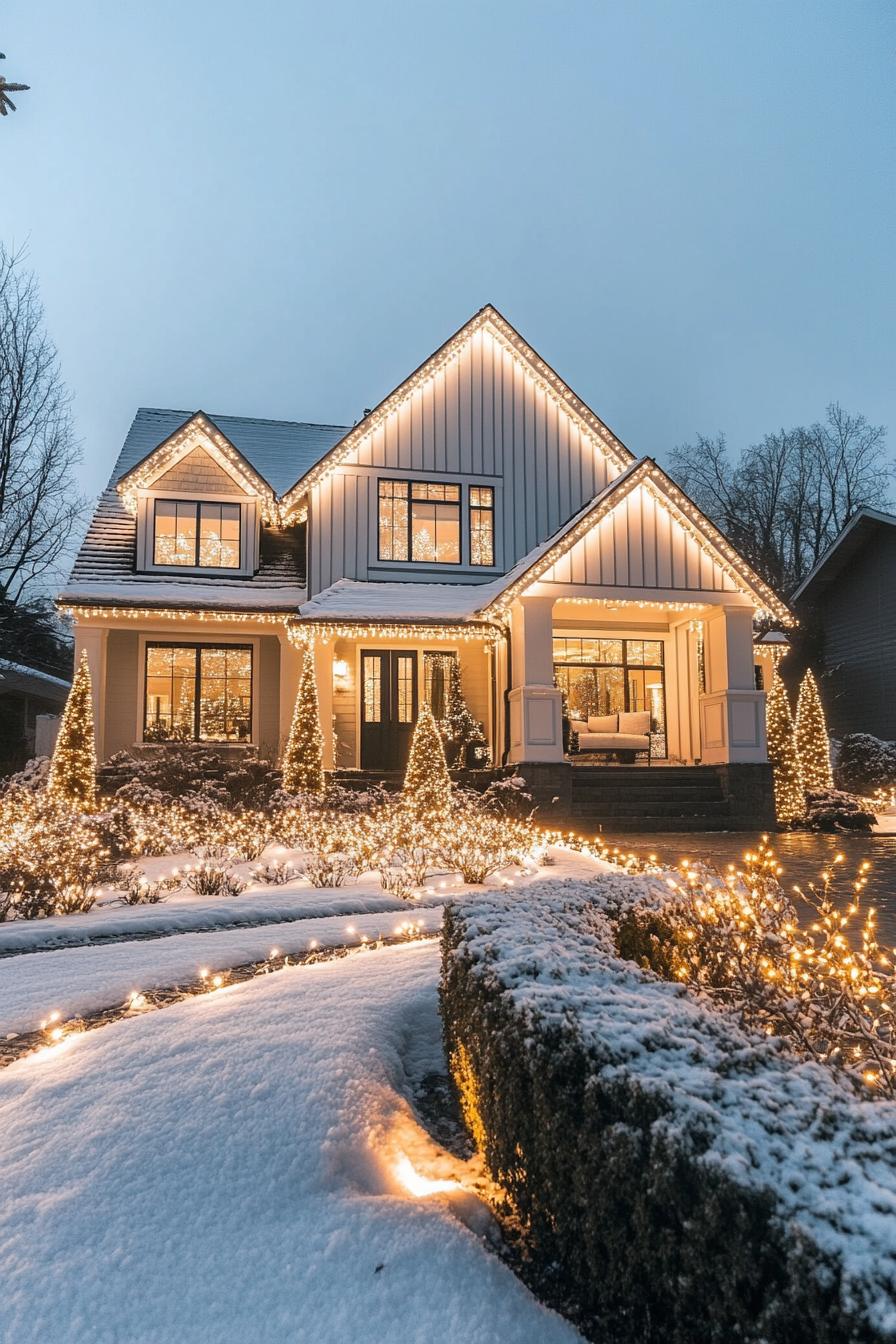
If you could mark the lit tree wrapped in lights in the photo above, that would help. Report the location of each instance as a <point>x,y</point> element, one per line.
<point>73,768</point>
<point>812,741</point>
<point>303,759</point>
<point>790,798</point>
<point>427,784</point>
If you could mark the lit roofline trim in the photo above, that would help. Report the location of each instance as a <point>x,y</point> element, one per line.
<point>80,611</point>
<point>685,512</point>
<point>488,318</point>
<point>301,630</point>
<point>198,431</point>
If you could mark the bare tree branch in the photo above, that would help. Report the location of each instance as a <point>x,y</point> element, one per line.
<point>39,506</point>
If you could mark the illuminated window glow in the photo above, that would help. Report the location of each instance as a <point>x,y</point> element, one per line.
<point>198,692</point>
<point>613,676</point>
<point>482,525</point>
<point>203,536</point>
<point>419,520</point>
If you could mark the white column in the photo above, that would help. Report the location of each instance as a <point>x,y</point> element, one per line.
<point>323,671</point>
<point>536,718</point>
<point>290,667</point>
<point>93,640</point>
<point>732,711</point>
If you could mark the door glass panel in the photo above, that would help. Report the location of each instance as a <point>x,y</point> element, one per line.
<point>373,689</point>
<point>405,680</point>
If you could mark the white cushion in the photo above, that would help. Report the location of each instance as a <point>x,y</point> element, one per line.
<point>603,723</point>
<point>638,722</point>
<point>613,742</point>
<point>578,725</point>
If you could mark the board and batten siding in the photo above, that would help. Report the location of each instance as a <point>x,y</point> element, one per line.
<point>640,545</point>
<point>858,620</point>
<point>480,421</point>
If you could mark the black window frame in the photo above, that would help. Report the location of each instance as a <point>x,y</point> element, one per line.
<point>408,558</point>
<point>199,645</point>
<point>197,505</point>
<point>480,508</point>
<point>624,666</point>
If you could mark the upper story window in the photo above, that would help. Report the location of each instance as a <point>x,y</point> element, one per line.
<point>419,520</point>
<point>482,525</point>
<point>202,536</point>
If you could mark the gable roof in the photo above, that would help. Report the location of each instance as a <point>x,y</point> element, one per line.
<point>859,530</point>
<point>488,318</point>
<point>274,449</point>
<point>531,567</point>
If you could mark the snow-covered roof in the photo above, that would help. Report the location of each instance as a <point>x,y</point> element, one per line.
<point>355,600</point>
<point>20,677</point>
<point>216,595</point>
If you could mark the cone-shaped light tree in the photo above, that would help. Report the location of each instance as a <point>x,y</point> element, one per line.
<point>73,767</point>
<point>790,799</point>
<point>427,784</point>
<point>812,741</point>
<point>303,759</point>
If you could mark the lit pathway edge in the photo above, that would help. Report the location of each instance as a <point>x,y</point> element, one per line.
<point>56,1032</point>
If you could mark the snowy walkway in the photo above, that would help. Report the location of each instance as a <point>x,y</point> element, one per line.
<point>225,1169</point>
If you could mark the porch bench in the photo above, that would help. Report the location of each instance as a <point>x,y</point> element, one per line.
<point>610,733</point>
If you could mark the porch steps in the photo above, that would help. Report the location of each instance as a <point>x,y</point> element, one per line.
<point>663,798</point>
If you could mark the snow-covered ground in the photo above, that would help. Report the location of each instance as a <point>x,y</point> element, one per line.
<point>237,1167</point>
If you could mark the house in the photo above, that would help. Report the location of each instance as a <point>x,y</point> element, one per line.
<point>481,512</point>
<point>26,693</point>
<point>850,600</point>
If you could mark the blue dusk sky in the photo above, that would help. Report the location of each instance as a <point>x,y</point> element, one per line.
<point>280,209</point>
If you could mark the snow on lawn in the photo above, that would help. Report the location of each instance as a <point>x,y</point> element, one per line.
<point>184,912</point>
<point>76,980</point>
<point>226,1169</point>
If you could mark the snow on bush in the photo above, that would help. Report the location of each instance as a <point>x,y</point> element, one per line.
<point>865,763</point>
<point>676,1176</point>
<point>834,810</point>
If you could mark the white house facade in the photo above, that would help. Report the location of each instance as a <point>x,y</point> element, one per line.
<point>482,512</point>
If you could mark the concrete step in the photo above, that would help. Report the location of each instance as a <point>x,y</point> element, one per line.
<point>669,808</point>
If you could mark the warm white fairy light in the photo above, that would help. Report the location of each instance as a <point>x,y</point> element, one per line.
<point>543,376</point>
<point>198,432</point>
<point>114,612</point>
<point>302,631</point>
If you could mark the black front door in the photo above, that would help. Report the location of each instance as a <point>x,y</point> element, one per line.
<point>388,707</point>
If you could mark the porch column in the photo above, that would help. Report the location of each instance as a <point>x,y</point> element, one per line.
<point>290,667</point>
<point>732,711</point>
<point>93,640</point>
<point>536,720</point>
<point>323,672</point>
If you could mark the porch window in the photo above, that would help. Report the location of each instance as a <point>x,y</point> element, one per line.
<point>613,676</point>
<point>198,693</point>
<point>482,525</point>
<point>203,536</point>
<point>420,521</point>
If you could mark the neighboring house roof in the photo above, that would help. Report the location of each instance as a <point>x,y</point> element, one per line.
<point>861,528</point>
<point>488,317</point>
<point>31,681</point>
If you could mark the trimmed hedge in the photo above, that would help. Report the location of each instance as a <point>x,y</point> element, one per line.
<point>678,1180</point>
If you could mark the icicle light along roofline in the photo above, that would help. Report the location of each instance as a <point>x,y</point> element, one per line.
<point>490,321</point>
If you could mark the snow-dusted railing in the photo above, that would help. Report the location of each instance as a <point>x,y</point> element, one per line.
<point>679,1178</point>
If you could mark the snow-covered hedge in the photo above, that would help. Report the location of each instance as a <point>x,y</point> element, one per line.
<point>865,763</point>
<point>678,1178</point>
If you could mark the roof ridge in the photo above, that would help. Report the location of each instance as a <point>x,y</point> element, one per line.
<point>249,419</point>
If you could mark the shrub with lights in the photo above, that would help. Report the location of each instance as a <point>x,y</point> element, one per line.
<point>790,801</point>
<point>303,769</point>
<point>73,768</point>
<point>812,742</point>
<point>427,784</point>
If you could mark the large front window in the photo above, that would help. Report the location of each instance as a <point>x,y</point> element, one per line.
<point>419,520</point>
<point>203,536</point>
<point>198,692</point>
<point>613,676</point>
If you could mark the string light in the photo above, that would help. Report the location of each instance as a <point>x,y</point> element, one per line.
<point>427,784</point>
<point>812,741</point>
<point>114,612</point>
<point>790,798</point>
<point>303,769</point>
<point>490,321</point>
<point>198,432</point>
<point>302,629</point>
<point>73,767</point>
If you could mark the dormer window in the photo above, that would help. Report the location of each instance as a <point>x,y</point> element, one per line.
<point>198,535</point>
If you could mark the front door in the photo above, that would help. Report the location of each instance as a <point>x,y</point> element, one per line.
<point>388,707</point>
